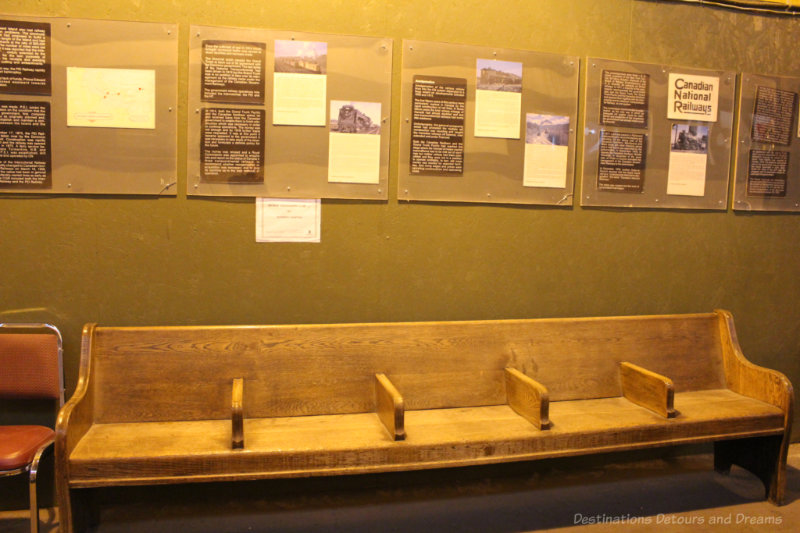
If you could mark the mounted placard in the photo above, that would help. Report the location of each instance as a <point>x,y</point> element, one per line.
<point>656,136</point>
<point>287,114</point>
<point>768,157</point>
<point>487,125</point>
<point>88,106</point>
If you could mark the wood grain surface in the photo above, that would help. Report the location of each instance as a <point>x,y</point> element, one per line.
<point>648,389</point>
<point>528,398</point>
<point>390,407</point>
<point>168,404</point>
<point>329,369</point>
<point>142,453</point>
<point>764,384</point>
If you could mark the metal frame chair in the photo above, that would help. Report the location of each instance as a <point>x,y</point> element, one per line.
<point>22,382</point>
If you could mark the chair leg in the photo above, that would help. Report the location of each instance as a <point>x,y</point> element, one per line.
<point>34,471</point>
<point>34,502</point>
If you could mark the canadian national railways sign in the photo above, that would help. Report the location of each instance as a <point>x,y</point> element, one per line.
<point>692,97</point>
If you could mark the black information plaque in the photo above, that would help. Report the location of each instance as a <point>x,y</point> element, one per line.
<point>232,145</point>
<point>25,57</point>
<point>233,72</point>
<point>437,129</point>
<point>773,115</point>
<point>767,173</point>
<point>624,99</point>
<point>25,157</point>
<point>622,161</point>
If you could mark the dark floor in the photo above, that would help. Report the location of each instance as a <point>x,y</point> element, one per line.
<point>668,491</point>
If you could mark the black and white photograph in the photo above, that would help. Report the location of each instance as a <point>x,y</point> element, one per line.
<point>503,76</point>
<point>355,117</point>
<point>301,57</point>
<point>689,138</point>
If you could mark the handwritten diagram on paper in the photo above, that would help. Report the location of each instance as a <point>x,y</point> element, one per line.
<point>111,98</point>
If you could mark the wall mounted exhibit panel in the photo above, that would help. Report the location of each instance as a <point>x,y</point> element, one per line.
<point>767,167</point>
<point>288,114</point>
<point>487,125</point>
<point>656,136</point>
<point>88,106</point>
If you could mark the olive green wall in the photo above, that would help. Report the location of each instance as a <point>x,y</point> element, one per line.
<point>141,261</point>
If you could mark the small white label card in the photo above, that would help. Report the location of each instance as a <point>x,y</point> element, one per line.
<point>288,220</point>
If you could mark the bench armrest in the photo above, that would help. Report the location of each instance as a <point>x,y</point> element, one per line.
<point>390,407</point>
<point>748,379</point>
<point>237,414</point>
<point>648,389</point>
<point>770,386</point>
<point>528,398</point>
<point>73,422</point>
<point>76,416</point>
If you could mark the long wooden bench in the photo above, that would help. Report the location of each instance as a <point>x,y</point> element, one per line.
<point>195,404</point>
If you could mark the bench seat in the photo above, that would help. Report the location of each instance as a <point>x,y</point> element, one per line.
<point>153,452</point>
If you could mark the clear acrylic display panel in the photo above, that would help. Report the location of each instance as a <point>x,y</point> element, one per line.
<point>747,95</point>
<point>296,157</point>
<point>89,160</point>
<point>493,168</point>
<point>654,194</point>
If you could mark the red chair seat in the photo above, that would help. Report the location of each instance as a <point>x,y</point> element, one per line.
<point>19,444</point>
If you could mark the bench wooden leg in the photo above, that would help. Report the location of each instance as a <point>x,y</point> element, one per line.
<point>75,511</point>
<point>763,456</point>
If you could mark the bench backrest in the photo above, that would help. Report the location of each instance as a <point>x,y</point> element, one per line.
<point>186,373</point>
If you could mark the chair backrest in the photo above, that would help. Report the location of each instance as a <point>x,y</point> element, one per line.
<point>31,362</point>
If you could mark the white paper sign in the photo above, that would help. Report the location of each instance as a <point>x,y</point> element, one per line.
<point>692,97</point>
<point>111,98</point>
<point>287,220</point>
